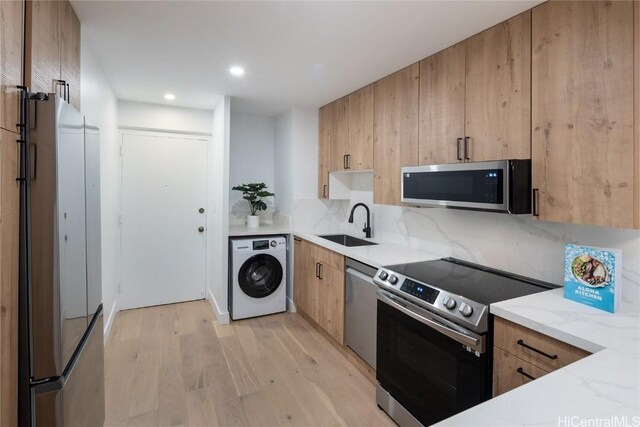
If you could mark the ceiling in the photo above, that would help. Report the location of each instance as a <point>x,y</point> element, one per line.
<point>294,53</point>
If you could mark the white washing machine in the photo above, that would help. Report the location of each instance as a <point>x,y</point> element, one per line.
<point>258,276</point>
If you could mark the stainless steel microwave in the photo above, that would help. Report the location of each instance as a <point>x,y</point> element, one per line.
<point>496,186</point>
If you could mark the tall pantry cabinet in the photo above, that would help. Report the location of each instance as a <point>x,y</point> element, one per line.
<point>45,37</point>
<point>11,75</point>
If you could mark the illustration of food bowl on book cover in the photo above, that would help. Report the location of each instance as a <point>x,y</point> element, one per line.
<point>592,276</point>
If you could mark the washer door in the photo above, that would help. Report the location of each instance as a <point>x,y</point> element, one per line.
<point>260,275</point>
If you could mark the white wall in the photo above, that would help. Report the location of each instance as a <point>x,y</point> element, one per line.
<point>296,156</point>
<point>284,162</point>
<point>305,149</point>
<point>251,159</point>
<point>99,105</point>
<point>218,206</point>
<point>156,117</point>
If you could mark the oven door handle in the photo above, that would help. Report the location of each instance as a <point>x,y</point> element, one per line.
<point>475,343</point>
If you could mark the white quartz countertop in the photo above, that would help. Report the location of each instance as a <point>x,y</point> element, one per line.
<point>374,255</point>
<point>603,386</point>
<point>264,229</point>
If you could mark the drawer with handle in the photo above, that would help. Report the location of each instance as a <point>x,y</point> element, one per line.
<point>533,347</point>
<point>510,372</point>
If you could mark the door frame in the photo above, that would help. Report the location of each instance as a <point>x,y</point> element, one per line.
<point>135,131</point>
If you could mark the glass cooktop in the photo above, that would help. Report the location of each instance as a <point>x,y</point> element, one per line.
<point>476,282</point>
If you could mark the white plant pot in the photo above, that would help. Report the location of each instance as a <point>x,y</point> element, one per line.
<point>253,221</point>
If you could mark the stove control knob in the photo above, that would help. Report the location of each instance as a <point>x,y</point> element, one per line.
<point>393,279</point>
<point>383,275</point>
<point>466,310</point>
<point>449,302</point>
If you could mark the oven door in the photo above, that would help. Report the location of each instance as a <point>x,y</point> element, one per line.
<point>432,367</point>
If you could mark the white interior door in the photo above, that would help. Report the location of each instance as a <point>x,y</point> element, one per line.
<point>164,181</point>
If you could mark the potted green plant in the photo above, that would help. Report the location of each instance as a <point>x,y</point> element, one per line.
<point>254,193</point>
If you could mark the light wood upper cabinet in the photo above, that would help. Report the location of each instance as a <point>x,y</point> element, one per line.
<point>584,169</point>
<point>442,92</point>
<point>497,93</point>
<point>11,43</point>
<point>475,97</point>
<point>324,150</point>
<point>70,52</point>
<point>52,49</point>
<point>395,131</point>
<point>360,141</point>
<point>42,55</point>
<point>348,131</point>
<point>338,132</point>
<point>9,222</point>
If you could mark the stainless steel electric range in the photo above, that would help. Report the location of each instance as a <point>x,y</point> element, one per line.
<point>434,337</point>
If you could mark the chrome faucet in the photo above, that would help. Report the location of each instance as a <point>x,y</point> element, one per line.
<point>367,225</point>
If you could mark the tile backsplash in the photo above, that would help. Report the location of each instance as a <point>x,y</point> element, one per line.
<point>514,243</point>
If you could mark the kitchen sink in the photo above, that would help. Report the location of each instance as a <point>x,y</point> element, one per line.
<point>346,240</point>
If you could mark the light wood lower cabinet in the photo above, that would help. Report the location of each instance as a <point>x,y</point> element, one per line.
<point>521,355</point>
<point>510,372</point>
<point>318,289</point>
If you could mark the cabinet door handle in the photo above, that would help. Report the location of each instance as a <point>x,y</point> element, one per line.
<point>320,271</point>
<point>317,270</point>
<point>324,190</point>
<point>524,374</point>
<point>33,159</point>
<point>458,142</point>
<point>547,355</point>
<point>68,92</point>
<point>297,240</point>
<point>348,161</point>
<point>344,161</point>
<point>466,148</point>
<point>534,201</point>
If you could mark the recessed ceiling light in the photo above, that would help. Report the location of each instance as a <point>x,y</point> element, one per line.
<point>236,71</point>
<point>169,96</point>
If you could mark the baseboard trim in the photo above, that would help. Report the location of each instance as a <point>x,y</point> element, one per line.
<point>110,318</point>
<point>291,306</point>
<point>221,316</point>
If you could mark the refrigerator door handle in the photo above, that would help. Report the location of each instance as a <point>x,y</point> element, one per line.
<point>49,385</point>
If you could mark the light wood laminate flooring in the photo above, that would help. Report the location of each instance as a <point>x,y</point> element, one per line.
<point>173,365</point>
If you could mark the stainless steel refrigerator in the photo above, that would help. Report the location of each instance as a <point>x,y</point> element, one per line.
<point>61,321</point>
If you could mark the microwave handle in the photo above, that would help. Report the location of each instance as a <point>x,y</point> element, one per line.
<point>470,341</point>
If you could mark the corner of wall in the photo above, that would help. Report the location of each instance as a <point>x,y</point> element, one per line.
<point>110,318</point>
<point>221,316</point>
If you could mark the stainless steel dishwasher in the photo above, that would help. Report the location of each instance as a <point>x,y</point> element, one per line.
<point>360,310</point>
